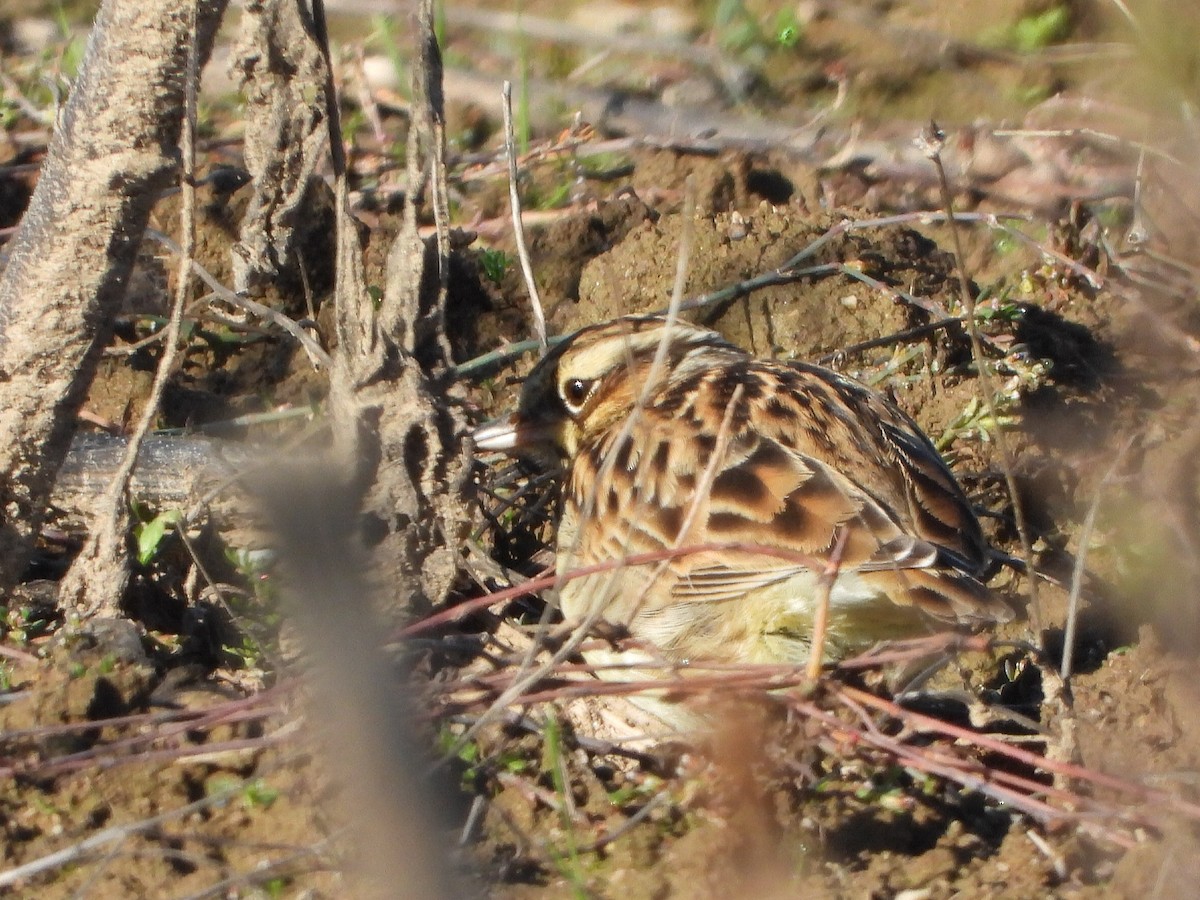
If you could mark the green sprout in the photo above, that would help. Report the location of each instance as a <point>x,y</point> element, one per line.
<point>736,27</point>
<point>976,420</point>
<point>1034,32</point>
<point>258,794</point>
<point>149,533</point>
<point>787,28</point>
<point>495,264</point>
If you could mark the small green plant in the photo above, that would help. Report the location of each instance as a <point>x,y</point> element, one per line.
<point>257,794</point>
<point>439,22</point>
<point>10,114</point>
<point>255,567</point>
<point>886,789</point>
<point>1040,30</point>
<point>736,28</point>
<point>977,420</point>
<point>998,310</point>
<point>556,197</point>
<point>243,653</point>
<point>353,122</point>
<point>150,532</point>
<point>1004,243</point>
<point>788,29</point>
<point>71,56</point>
<point>25,623</point>
<point>254,793</point>
<point>1032,32</point>
<point>632,791</point>
<point>383,36</point>
<point>45,805</point>
<point>604,165</point>
<point>1033,94</point>
<point>221,783</point>
<point>522,120</point>
<point>468,754</point>
<point>495,264</point>
<point>554,761</point>
<point>256,611</point>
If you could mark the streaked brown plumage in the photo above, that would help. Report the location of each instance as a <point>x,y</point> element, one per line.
<point>784,460</point>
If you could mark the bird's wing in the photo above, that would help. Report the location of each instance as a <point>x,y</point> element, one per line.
<point>895,461</point>
<point>776,502</point>
<point>788,512</point>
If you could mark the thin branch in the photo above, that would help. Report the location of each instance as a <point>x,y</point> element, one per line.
<point>932,141</point>
<point>686,237</point>
<point>315,350</point>
<point>434,108</point>
<point>514,199</point>
<point>829,574</point>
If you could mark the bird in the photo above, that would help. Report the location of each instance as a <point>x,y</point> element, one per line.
<point>741,486</point>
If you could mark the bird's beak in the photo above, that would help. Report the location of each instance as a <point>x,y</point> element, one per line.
<point>511,433</point>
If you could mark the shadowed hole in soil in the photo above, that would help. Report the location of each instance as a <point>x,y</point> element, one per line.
<point>770,184</point>
<point>869,832</point>
<point>1078,358</point>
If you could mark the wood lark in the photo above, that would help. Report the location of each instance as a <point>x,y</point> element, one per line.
<point>749,478</point>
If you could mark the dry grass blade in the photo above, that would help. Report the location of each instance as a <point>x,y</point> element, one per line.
<point>514,198</point>
<point>1070,629</point>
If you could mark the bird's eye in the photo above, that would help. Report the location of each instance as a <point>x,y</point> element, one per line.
<point>575,391</point>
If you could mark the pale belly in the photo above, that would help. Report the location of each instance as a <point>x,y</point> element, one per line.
<point>771,624</point>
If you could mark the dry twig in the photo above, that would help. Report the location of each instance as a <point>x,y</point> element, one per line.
<point>931,141</point>
<point>514,198</point>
